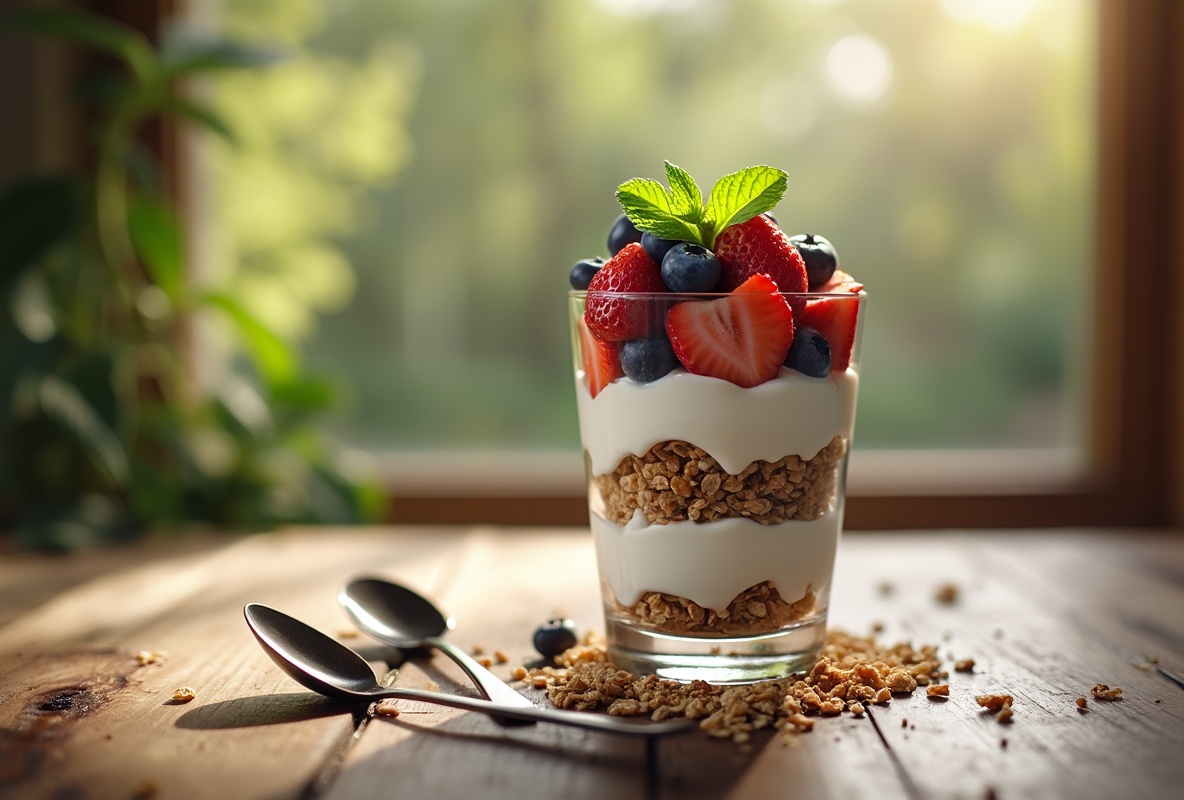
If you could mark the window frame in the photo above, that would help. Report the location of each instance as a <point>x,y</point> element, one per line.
<point>1133,475</point>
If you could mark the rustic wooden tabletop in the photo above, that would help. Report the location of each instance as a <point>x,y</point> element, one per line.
<point>1045,616</point>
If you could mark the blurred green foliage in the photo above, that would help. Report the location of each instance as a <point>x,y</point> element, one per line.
<point>962,194</point>
<point>105,431</point>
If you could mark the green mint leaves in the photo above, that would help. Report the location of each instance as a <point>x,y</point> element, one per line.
<point>679,212</point>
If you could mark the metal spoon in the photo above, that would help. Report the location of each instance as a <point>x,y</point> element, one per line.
<point>324,665</point>
<point>397,616</point>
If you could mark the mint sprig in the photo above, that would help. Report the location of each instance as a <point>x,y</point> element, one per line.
<point>680,213</point>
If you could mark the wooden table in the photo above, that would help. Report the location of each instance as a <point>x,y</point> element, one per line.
<point>1046,615</point>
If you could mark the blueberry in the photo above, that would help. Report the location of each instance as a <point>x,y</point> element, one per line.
<point>554,636</point>
<point>622,233</point>
<point>809,354</point>
<point>690,268</point>
<point>819,255</point>
<point>582,272</point>
<point>657,248</point>
<point>646,360</point>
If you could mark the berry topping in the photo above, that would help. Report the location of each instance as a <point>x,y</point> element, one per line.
<point>583,271</point>
<point>657,248</point>
<point>758,247</point>
<point>601,366</point>
<point>835,319</point>
<point>690,268</point>
<point>615,319</point>
<point>646,360</point>
<point>622,232</point>
<point>742,338</point>
<point>809,354</point>
<point>840,283</point>
<point>819,255</point>
<point>554,636</point>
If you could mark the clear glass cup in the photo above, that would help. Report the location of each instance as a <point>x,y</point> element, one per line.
<point>715,510</point>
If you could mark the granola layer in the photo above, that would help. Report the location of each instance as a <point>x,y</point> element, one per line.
<point>675,481</point>
<point>758,609</point>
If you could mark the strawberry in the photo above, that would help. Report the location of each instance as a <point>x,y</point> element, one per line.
<point>601,364</point>
<point>742,338</point>
<point>840,283</point>
<point>759,247</point>
<point>835,319</point>
<point>614,319</point>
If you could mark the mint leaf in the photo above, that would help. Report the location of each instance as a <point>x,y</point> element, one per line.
<point>652,209</point>
<point>685,199</point>
<point>741,196</point>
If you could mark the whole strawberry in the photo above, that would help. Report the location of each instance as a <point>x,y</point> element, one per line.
<point>614,319</point>
<point>758,247</point>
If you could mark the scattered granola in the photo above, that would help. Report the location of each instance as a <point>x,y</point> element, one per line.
<point>1082,703</point>
<point>758,609</point>
<point>675,481</point>
<point>938,690</point>
<point>145,657</point>
<point>964,665</point>
<point>994,702</point>
<point>184,694</point>
<point>946,594</point>
<point>1103,692</point>
<point>501,656</point>
<point>998,704</point>
<point>851,672</point>
<point>348,633</point>
<point>386,708</point>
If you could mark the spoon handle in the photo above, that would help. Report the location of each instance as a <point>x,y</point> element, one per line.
<point>532,713</point>
<point>489,685</point>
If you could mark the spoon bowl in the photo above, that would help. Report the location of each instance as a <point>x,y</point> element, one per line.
<point>400,617</point>
<point>309,657</point>
<point>327,667</point>
<point>392,613</point>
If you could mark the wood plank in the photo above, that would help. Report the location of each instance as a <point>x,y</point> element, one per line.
<point>1023,646</point>
<point>504,586</point>
<point>250,732</point>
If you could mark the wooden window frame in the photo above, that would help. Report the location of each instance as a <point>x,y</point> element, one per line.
<point>1134,471</point>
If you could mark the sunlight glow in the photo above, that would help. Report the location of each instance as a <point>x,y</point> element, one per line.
<point>1000,15</point>
<point>859,69</point>
<point>787,110</point>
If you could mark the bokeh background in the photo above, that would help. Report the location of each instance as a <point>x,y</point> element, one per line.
<point>414,181</point>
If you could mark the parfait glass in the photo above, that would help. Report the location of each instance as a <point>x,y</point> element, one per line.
<point>715,509</point>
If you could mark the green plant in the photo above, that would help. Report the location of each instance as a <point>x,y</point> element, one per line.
<point>105,430</point>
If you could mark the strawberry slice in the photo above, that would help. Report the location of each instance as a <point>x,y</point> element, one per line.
<point>742,338</point>
<point>759,247</point>
<point>614,319</point>
<point>840,282</point>
<point>601,364</point>
<point>834,318</point>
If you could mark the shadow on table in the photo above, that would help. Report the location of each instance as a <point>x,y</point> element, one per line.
<point>265,709</point>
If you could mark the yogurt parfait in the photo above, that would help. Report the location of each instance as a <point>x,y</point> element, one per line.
<point>716,364</point>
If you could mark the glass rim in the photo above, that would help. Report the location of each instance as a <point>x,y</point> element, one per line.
<point>577,294</point>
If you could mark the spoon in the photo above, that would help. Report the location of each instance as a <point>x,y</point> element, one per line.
<point>327,667</point>
<point>397,616</point>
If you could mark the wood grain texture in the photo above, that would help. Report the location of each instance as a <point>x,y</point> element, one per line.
<point>1045,616</point>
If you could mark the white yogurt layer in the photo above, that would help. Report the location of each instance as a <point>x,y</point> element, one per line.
<point>713,562</point>
<point>790,415</point>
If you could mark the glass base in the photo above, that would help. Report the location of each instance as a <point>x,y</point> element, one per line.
<point>716,660</point>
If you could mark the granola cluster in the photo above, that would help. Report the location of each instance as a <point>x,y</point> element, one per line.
<point>851,673</point>
<point>675,481</point>
<point>758,609</point>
